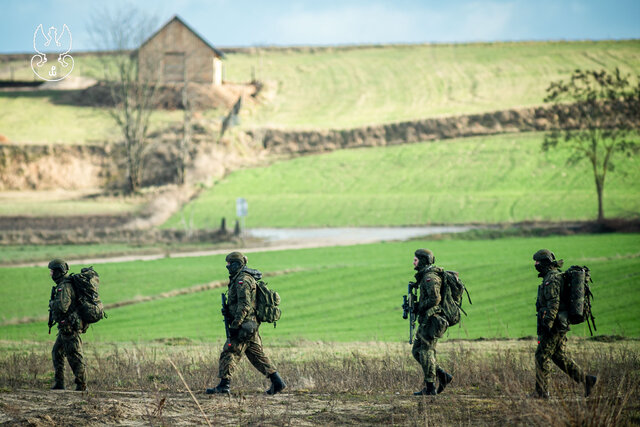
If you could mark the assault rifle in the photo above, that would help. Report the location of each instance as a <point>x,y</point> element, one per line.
<point>225,318</point>
<point>51,321</point>
<point>409,304</point>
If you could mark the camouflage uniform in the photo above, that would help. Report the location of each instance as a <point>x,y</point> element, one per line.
<point>431,325</point>
<point>245,338</point>
<point>68,342</point>
<point>552,325</point>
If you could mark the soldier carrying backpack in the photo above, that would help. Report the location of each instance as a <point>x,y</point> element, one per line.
<point>563,298</point>
<point>249,302</point>
<point>435,314</point>
<point>62,310</point>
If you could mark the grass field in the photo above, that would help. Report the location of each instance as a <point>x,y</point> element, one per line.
<point>39,117</point>
<point>65,202</point>
<point>491,179</point>
<point>343,88</point>
<point>343,293</point>
<point>24,254</point>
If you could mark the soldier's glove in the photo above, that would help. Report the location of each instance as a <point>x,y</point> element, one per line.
<point>247,330</point>
<point>233,333</point>
<point>225,311</point>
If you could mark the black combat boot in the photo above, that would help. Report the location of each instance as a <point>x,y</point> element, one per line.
<point>429,389</point>
<point>541,393</point>
<point>57,386</point>
<point>223,387</point>
<point>589,382</point>
<point>444,378</point>
<point>277,384</point>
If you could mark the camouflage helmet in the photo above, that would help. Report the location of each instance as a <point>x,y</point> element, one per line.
<point>544,255</point>
<point>236,256</point>
<point>59,264</point>
<point>426,255</point>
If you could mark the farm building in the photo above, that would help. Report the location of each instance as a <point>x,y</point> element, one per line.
<point>176,53</point>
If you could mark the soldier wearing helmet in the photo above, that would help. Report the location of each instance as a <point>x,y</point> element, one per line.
<point>553,325</point>
<point>68,343</point>
<point>243,328</point>
<point>432,325</point>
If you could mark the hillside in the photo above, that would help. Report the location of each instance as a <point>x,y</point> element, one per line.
<point>353,87</point>
<point>505,178</point>
<point>332,88</point>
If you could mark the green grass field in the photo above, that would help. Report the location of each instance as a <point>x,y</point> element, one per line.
<point>344,88</point>
<point>65,202</point>
<point>40,118</point>
<point>345,293</point>
<point>491,179</point>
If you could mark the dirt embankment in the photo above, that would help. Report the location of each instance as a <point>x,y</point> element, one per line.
<point>81,236</point>
<point>68,167</point>
<point>290,142</point>
<point>40,167</point>
<point>8,223</point>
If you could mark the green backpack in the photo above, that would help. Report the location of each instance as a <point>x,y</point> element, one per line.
<point>88,304</point>
<point>577,295</point>
<point>451,293</point>
<point>267,301</point>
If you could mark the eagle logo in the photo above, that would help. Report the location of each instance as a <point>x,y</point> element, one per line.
<point>51,44</point>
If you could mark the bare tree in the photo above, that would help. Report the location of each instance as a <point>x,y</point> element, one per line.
<point>599,114</point>
<point>132,92</point>
<point>184,144</point>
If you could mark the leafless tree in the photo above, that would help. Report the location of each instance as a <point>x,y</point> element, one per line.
<point>184,144</point>
<point>133,94</point>
<point>599,113</point>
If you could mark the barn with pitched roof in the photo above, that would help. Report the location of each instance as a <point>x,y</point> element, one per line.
<point>176,54</point>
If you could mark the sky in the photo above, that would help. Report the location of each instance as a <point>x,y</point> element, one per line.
<point>232,23</point>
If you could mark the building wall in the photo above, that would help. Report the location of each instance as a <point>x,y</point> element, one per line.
<point>161,55</point>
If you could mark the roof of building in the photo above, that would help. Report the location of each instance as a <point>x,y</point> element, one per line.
<point>177,18</point>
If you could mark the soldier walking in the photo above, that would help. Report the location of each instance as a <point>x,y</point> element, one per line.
<point>432,325</point>
<point>553,325</point>
<point>62,310</point>
<point>244,337</point>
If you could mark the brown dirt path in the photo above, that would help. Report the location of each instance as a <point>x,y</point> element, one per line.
<point>136,408</point>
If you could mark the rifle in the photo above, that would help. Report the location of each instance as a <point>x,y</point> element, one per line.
<point>51,321</point>
<point>409,303</point>
<point>225,318</point>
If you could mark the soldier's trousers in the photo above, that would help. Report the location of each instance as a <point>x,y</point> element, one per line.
<point>233,351</point>
<point>424,348</point>
<point>69,347</point>
<point>552,346</point>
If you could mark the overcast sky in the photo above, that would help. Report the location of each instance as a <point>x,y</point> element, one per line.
<point>336,22</point>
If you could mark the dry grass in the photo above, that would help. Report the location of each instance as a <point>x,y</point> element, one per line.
<point>328,384</point>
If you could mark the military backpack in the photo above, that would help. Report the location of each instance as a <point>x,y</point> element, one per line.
<point>88,304</point>
<point>577,295</point>
<point>451,293</point>
<point>267,301</point>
